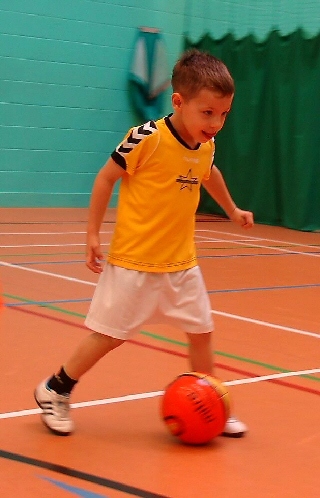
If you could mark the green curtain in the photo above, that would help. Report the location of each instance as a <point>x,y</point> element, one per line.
<point>269,149</point>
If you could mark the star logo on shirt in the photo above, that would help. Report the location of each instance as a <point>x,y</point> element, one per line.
<point>187,181</point>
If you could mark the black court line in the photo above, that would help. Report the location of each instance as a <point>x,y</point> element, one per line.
<point>60,469</point>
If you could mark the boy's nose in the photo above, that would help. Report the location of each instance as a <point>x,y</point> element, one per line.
<point>216,123</point>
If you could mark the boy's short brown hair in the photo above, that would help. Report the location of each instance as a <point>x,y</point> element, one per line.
<point>196,70</point>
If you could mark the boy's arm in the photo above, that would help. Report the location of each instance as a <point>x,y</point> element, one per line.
<point>217,188</point>
<point>100,197</point>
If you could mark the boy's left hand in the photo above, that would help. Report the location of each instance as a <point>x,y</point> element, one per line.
<point>243,218</point>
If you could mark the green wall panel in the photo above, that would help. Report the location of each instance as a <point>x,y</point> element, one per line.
<point>36,116</point>
<point>52,199</point>
<point>67,52</point>
<point>40,199</point>
<point>64,102</point>
<point>37,160</point>
<point>63,96</point>
<point>46,138</point>
<point>26,180</point>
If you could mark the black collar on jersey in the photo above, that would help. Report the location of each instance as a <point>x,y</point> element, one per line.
<point>176,135</point>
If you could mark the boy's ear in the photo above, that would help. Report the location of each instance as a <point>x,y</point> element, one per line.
<point>176,100</point>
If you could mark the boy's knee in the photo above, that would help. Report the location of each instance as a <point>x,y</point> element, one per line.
<point>107,342</point>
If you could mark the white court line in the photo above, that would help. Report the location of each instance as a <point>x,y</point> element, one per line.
<point>229,315</point>
<point>267,324</point>
<point>47,245</point>
<point>261,246</point>
<point>241,240</point>
<point>153,394</point>
<point>51,233</point>
<point>281,375</point>
<point>41,272</point>
<point>261,239</point>
<point>270,248</point>
<point>39,245</point>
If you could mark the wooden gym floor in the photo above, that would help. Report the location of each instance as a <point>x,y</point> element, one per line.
<point>265,290</point>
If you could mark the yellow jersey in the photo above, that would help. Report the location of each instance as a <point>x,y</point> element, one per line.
<point>158,198</point>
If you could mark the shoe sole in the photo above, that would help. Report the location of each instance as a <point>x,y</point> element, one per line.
<point>233,435</point>
<point>54,431</point>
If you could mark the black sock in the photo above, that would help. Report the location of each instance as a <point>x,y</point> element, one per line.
<point>61,383</point>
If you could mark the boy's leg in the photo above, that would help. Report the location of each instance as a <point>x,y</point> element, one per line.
<point>89,352</point>
<point>136,295</point>
<point>200,353</point>
<point>201,360</point>
<point>52,395</point>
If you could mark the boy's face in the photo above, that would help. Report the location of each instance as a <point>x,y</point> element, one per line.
<point>200,118</point>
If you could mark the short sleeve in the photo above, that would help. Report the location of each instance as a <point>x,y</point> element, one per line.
<point>137,146</point>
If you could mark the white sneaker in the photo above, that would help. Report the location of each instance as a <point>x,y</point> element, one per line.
<point>55,410</point>
<point>234,428</point>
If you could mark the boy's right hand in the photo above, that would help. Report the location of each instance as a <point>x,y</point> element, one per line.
<point>94,255</point>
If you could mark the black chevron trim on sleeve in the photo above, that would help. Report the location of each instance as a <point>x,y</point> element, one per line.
<point>147,128</point>
<point>137,134</point>
<point>119,159</point>
<point>135,137</point>
<point>130,144</point>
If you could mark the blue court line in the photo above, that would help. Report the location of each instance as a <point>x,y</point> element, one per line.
<point>217,256</point>
<point>221,291</point>
<point>77,474</point>
<point>72,489</point>
<point>214,256</point>
<point>253,289</point>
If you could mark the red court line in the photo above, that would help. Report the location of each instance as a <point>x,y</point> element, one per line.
<point>239,371</point>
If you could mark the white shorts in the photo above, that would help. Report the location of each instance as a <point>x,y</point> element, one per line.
<point>124,300</point>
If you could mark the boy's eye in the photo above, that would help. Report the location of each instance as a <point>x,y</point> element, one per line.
<point>208,113</point>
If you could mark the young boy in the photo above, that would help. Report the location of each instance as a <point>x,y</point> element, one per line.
<point>151,274</point>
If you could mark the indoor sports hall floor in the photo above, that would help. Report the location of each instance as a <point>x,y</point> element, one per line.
<point>265,290</point>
